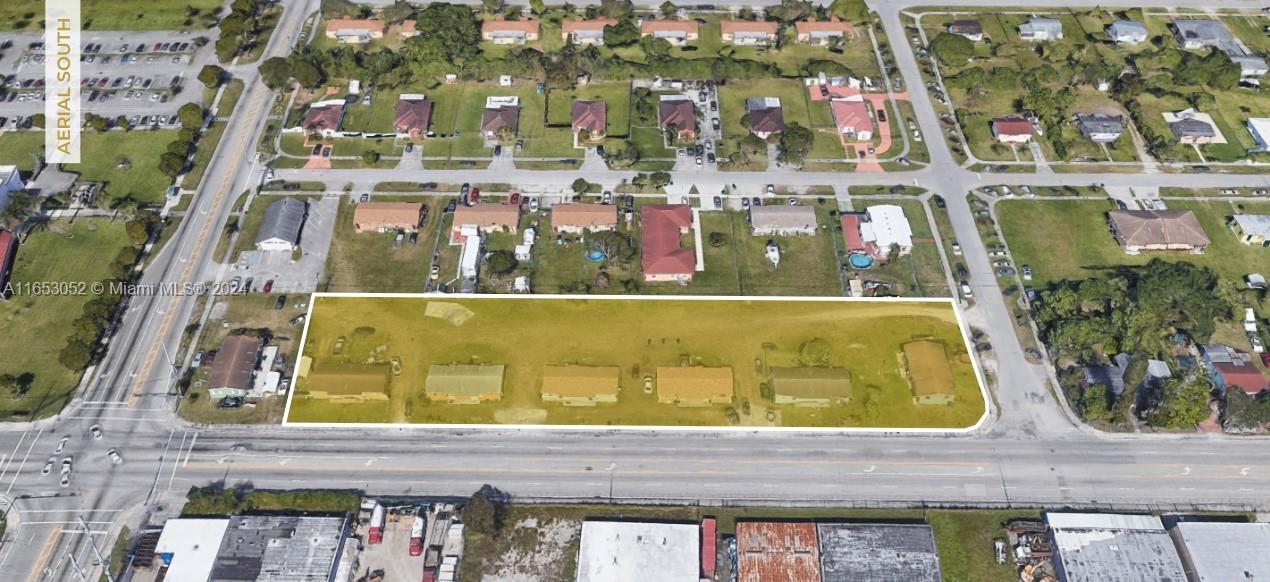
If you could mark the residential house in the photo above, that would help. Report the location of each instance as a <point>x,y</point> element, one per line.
<point>10,182</point>
<point>408,29</point>
<point>694,386</point>
<point>1231,368</point>
<point>1041,30</point>
<point>852,238</point>
<point>502,115</point>
<point>1100,128</point>
<point>1252,229</point>
<point>280,227</point>
<point>887,230</point>
<point>509,31</point>
<point>387,216</point>
<point>1250,66</point>
<point>1112,376</point>
<point>1192,127</point>
<point>782,220</point>
<point>676,32</point>
<point>234,368</point>
<point>1195,33</point>
<point>1012,129</point>
<point>1157,230</point>
<point>764,116</point>
<point>8,252</point>
<point>354,31</point>
<point>662,258</point>
<point>413,116</point>
<point>591,116</point>
<point>324,118</point>
<point>1127,32</point>
<point>464,383</point>
<point>970,29</point>
<point>580,385</point>
<point>748,32</point>
<point>487,218</point>
<point>585,32</point>
<point>853,117</point>
<point>679,112</point>
<point>822,33</point>
<point>579,218</point>
<point>929,373</point>
<point>347,383</point>
<point>1259,128</point>
<point>811,386</point>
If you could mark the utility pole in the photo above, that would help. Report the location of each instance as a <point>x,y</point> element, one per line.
<point>105,564</point>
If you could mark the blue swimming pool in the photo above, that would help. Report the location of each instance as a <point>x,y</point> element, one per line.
<point>860,261</point>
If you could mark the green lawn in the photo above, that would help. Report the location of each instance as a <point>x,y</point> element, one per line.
<point>100,157</point>
<point>114,14</point>
<point>921,273</point>
<point>732,96</point>
<point>1040,234</point>
<point>82,252</point>
<point>807,264</point>
<point>964,541</point>
<point>616,95</point>
<point>393,270</point>
<point>634,337</point>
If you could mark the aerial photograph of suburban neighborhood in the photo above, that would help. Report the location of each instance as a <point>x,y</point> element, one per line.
<point>634,291</point>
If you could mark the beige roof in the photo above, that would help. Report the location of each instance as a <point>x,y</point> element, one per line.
<point>697,383</point>
<point>525,26</point>
<point>812,383</point>
<point>353,24</point>
<point>572,26</point>
<point>583,215</point>
<point>580,381</point>
<point>465,381</point>
<point>735,26</point>
<point>235,363</point>
<point>345,379</point>
<point>833,25</point>
<point>371,215</point>
<point>652,26</point>
<point>928,368</point>
<point>1140,228</point>
<point>487,215</point>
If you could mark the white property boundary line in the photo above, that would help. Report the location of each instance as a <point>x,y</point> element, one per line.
<point>961,324</point>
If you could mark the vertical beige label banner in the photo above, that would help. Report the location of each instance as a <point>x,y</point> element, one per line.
<point>63,114</point>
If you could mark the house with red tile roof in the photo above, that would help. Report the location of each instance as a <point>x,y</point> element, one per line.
<point>8,252</point>
<point>748,32</point>
<point>509,31</point>
<point>354,31</point>
<point>663,258</point>
<point>487,217</point>
<point>408,29</point>
<point>324,117</point>
<point>1012,129</point>
<point>852,118</point>
<point>576,218</point>
<point>676,32</point>
<point>590,115</point>
<point>413,116</point>
<point>585,32</point>
<point>821,33</point>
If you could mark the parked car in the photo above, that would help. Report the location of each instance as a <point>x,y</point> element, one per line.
<point>939,201</point>
<point>95,430</point>
<point>1027,273</point>
<point>114,457</point>
<point>280,303</point>
<point>966,290</point>
<point>268,286</point>
<point>956,248</point>
<point>197,360</point>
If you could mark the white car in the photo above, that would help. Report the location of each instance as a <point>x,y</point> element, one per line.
<point>61,445</point>
<point>95,430</point>
<point>66,480</point>
<point>114,457</point>
<point>966,290</point>
<point>956,248</point>
<point>67,464</point>
<point>48,467</point>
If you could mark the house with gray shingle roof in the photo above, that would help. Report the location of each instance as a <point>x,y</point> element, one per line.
<point>1127,32</point>
<point>280,228</point>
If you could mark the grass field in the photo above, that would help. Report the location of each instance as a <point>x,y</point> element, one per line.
<point>1040,234</point>
<point>100,159</point>
<point>399,270</point>
<point>638,336</point>
<point>113,14</point>
<point>63,253</point>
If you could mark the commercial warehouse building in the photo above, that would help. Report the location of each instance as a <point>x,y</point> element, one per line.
<point>347,383</point>
<point>253,548</point>
<point>785,551</point>
<point>851,552</point>
<point>1219,551</point>
<point>1098,547</point>
<point>621,551</point>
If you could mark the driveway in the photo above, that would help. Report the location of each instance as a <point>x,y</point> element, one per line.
<point>298,276</point>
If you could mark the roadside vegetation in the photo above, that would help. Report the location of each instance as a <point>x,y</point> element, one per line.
<point>215,500</point>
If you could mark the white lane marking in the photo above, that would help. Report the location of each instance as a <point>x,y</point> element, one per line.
<point>18,473</point>
<point>190,450</point>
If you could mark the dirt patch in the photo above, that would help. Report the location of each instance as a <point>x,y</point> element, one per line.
<point>453,313</point>
<point>542,554</point>
<point>521,416</point>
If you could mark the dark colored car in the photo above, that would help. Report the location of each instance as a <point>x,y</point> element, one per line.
<point>281,302</point>
<point>939,201</point>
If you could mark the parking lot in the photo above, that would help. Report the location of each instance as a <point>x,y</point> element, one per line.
<point>134,74</point>
<point>293,276</point>
<point>393,555</point>
<point>705,98</point>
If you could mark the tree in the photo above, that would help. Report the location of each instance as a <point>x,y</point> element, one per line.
<point>502,262</point>
<point>615,245</point>
<point>17,385</point>
<point>718,239</point>
<point>952,49</point>
<point>623,33</point>
<point>171,164</point>
<point>668,9</point>
<point>655,47</point>
<point>1095,404</point>
<point>122,123</point>
<point>98,122</point>
<point>275,72</point>
<point>211,76</point>
<point>306,73</point>
<point>795,143</point>
<point>815,352</point>
<point>1185,404</point>
<point>191,115</point>
<point>537,7</point>
<point>853,10</point>
<point>37,120</point>
<point>1246,413</point>
<point>580,186</point>
<point>618,9</point>
<point>790,10</point>
<point>21,205</point>
<point>370,157</point>
<point>492,6</point>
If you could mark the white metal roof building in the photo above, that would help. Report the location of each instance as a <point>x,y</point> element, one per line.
<point>1220,552</point>
<point>189,547</point>
<point>1104,547</point>
<point>887,227</point>
<point>1259,128</point>
<point>618,551</point>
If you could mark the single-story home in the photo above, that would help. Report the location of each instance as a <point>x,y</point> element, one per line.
<point>324,118</point>
<point>1012,129</point>
<point>580,385</point>
<point>661,256</point>
<point>408,29</point>
<point>585,32</point>
<point>590,115</point>
<point>1041,29</point>
<point>509,31</point>
<point>821,32</point>
<point>280,227</point>
<point>354,31</point>
<point>678,111</point>
<point>1192,127</point>
<point>501,114</point>
<point>1231,368</point>
<point>464,383</point>
<point>1111,376</point>
<point>853,117</point>
<point>1127,32</point>
<point>929,373</point>
<point>676,32</point>
<point>10,182</point>
<point>886,228</point>
<point>487,218</point>
<point>577,218</point>
<point>387,216</point>
<point>1100,128</point>
<point>235,367</point>
<point>748,32</point>
<point>1259,128</point>
<point>1157,230</point>
<point>413,115</point>
<point>1252,229</point>
<point>8,252</point>
<point>347,383</point>
<point>764,116</point>
<point>783,220</point>
<point>971,29</point>
<point>694,386</point>
<point>811,386</point>
<point>1198,33</point>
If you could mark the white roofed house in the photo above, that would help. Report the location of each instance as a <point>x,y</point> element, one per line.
<point>1259,129</point>
<point>1127,32</point>
<point>10,181</point>
<point>1041,29</point>
<point>1252,229</point>
<point>886,229</point>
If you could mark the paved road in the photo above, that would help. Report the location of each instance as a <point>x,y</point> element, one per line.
<point>1031,455</point>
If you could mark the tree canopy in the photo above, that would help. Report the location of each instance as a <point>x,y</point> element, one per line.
<point>952,49</point>
<point>795,143</point>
